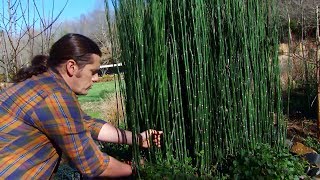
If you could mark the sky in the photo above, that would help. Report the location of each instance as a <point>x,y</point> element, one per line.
<point>73,8</point>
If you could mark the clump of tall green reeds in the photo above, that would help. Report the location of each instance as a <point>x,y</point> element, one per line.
<point>203,71</point>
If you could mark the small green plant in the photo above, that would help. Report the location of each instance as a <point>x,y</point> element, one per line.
<point>66,172</point>
<point>168,170</point>
<point>312,143</point>
<point>119,151</point>
<point>265,162</point>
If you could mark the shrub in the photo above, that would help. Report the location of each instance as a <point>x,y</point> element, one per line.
<point>265,162</point>
<point>312,143</point>
<point>66,172</point>
<point>168,170</point>
<point>188,73</point>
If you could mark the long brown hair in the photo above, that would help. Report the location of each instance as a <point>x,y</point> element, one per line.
<point>70,46</point>
<point>38,66</point>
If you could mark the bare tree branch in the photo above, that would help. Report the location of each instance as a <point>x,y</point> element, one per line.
<point>19,34</point>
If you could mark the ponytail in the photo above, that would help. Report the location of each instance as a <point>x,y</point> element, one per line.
<point>38,66</point>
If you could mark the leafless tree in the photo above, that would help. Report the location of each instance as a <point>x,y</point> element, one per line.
<point>24,28</point>
<point>318,68</point>
<point>95,25</point>
<point>302,17</point>
<point>302,14</point>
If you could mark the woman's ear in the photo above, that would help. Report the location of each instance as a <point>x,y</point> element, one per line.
<point>71,67</point>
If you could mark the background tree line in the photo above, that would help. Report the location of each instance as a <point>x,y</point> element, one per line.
<point>27,30</point>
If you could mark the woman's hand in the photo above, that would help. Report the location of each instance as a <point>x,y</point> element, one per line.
<point>150,135</point>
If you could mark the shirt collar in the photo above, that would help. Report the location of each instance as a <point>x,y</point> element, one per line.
<point>54,73</point>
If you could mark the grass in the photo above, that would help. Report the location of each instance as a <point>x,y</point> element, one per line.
<point>96,97</point>
<point>98,92</point>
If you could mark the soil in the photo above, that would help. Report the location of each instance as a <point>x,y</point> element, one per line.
<point>300,128</point>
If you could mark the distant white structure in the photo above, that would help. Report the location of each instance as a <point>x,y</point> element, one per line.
<point>110,65</point>
<point>104,68</point>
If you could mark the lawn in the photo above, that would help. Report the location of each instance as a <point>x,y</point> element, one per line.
<point>98,94</point>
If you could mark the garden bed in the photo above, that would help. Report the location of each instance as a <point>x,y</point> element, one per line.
<point>262,159</point>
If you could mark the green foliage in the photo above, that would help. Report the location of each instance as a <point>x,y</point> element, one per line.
<point>312,143</point>
<point>66,172</point>
<point>206,72</point>
<point>265,162</point>
<point>165,169</point>
<point>121,152</point>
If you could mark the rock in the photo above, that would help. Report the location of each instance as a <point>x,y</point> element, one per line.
<point>313,171</point>
<point>300,149</point>
<point>313,159</point>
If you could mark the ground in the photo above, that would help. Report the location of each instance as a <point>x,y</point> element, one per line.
<point>299,129</point>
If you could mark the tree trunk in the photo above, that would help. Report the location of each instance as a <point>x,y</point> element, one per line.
<point>318,72</point>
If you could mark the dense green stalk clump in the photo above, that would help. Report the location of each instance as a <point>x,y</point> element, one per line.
<point>203,71</point>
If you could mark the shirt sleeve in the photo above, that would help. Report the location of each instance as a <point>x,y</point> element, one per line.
<point>62,121</point>
<point>93,124</point>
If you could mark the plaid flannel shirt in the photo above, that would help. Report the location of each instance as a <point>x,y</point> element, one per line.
<point>40,118</point>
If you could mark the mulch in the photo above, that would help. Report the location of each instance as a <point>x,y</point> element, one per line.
<point>299,129</point>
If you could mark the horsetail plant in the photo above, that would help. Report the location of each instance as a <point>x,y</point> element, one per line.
<point>203,71</point>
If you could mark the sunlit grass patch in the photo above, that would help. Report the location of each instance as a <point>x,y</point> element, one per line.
<point>98,92</point>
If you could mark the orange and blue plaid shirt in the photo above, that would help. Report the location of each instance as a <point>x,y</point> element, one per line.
<point>40,118</point>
